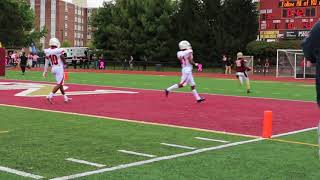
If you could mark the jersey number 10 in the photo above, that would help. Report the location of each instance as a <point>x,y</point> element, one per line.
<point>54,59</point>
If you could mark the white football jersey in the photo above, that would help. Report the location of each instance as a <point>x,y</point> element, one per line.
<point>183,56</point>
<point>53,54</point>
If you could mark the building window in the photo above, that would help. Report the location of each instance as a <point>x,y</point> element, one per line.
<point>276,26</point>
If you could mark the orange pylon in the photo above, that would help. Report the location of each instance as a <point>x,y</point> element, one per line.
<point>267,125</point>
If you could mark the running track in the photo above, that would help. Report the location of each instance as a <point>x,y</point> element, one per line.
<point>221,113</point>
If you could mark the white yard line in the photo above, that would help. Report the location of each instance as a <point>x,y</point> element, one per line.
<point>20,173</point>
<point>85,162</point>
<point>137,153</point>
<point>140,163</point>
<point>2,132</point>
<point>295,132</point>
<point>209,139</point>
<point>178,146</point>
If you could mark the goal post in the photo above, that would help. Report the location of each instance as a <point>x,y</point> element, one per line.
<point>250,64</point>
<point>292,63</point>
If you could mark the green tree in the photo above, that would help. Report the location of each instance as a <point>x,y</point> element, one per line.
<point>154,27</point>
<point>199,22</point>
<point>240,24</point>
<point>65,43</point>
<point>133,27</point>
<point>17,22</point>
<point>263,49</point>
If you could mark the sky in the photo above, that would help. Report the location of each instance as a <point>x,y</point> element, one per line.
<point>93,3</point>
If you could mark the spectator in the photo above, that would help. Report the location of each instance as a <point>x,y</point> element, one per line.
<point>23,62</point>
<point>7,60</point>
<point>102,62</point>
<point>228,65</point>
<point>74,62</point>
<point>266,66</point>
<point>86,63</point>
<point>131,63</point>
<point>15,58</point>
<point>30,59</point>
<point>145,63</point>
<point>95,61</point>
<point>10,60</point>
<point>81,62</point>
<point>258,66</point>
<point>125,64</point>
<point>224,63</point>
<point>35,60</point>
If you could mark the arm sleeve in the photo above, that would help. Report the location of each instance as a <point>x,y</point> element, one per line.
<point>46,64</point>
<point>311,42</point>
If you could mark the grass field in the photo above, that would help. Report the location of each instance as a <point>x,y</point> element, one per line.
<point>39,142</point>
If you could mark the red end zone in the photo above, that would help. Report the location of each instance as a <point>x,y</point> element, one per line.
<point>220,113</point>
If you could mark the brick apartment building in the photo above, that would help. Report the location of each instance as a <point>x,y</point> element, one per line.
<point>63,20</point>
<point>287,19</point>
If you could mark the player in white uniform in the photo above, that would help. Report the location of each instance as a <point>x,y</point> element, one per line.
<point>185,55</point>
<point>55,56</point>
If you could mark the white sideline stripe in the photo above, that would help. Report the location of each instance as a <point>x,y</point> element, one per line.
<point>295,132</point>
<point>139,163</point>
<point>123,87</point>
<point>20,173</point>
<point>178,146</point>
<point>136,153</point>
<point>85,162</point>
<point>209,139</point>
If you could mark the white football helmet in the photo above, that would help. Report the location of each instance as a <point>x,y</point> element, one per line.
<point>54,42</point>
<point>184,45</point>
<point>239,55</point>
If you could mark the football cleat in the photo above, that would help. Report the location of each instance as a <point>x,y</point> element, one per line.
<point>248,91</point>
<point>201,100</point>
<point>50,100</point>
<point>66,100</point>
<point>166,92</point>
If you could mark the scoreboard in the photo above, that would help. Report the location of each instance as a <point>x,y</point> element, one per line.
<point>298,3</point>
<point>290,18</point>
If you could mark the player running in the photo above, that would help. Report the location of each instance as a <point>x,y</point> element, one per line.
<point>55,56</point>
<point>185,55</point>
<point>242,69</point>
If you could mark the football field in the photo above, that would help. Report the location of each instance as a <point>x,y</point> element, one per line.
<point>121,126</point>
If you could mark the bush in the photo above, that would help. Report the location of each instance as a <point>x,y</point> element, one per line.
<point>263,49</point>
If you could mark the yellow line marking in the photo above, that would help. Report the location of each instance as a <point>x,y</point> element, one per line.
<point>132,121</point>
<point>294,142</point>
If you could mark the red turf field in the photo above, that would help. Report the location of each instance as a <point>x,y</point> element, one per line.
<point>222,113</point>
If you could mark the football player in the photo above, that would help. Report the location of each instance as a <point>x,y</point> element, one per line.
<point>185,56</point>
<point>241,70</point>
<point>55,56</point>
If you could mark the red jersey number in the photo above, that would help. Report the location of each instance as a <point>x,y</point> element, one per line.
<point>54,59</point>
